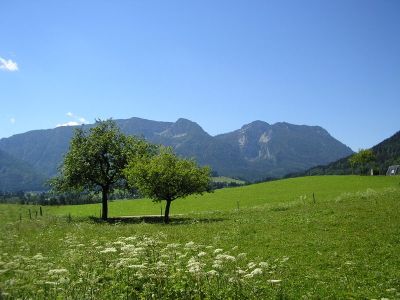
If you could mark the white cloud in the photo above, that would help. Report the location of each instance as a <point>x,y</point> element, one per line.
<point>70,123</point>
<point>12,120</point>
<point>8,65</point>
<point>76,120</point>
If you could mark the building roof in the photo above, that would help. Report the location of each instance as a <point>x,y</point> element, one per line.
<point>393,170</point>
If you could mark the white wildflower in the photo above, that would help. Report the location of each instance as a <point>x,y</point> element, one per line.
<point>201,254</point>
<point>216,251</point>
<point>284,259</point>
<point>122,263</point>
<point>119,243</point>
<point>172,246</point>
<point>128,248</point>
<point>274,280</point>
<point>217,264</point>
<point>109,250</point>
<point>251,265</point>
<point>192,260</point>
<point>225,257</point>
<point>240,272</point>
<point>241,255</point>
<point>189,245</point>
<point>193,266</point>
<point>63,280</point>
<point>139,250</point>
<point>256,271</point>
<point>38,256</point>
<point>58,271</point>
<point>142,266</point>
<point>160,265</point>
<point>263,264</point>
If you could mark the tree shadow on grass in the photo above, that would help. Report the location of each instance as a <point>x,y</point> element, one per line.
<point>173,220</point>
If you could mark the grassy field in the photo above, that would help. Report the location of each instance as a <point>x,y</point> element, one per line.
<point>325,188</point>
<point>345,244</point>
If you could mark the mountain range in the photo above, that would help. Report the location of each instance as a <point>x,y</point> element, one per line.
<point>255,151</point>
<point>16,175</point>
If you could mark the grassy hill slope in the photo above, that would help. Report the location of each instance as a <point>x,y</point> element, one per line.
<point>325,188</point>
<point>343,246</point>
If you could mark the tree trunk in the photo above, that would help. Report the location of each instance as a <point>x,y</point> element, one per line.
<point>104,214</point>
<point>166,216</point>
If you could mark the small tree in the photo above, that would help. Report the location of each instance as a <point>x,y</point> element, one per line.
<point>167,177</point>
<point>96,159</point>
<point>362,158</point>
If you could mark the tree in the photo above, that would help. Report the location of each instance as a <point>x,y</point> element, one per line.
<point>96,159</point>
<point>362,158</point>
<point>167,177</point>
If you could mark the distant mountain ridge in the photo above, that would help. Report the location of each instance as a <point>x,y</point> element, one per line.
<point>18,175</point>
<point>255,151</point>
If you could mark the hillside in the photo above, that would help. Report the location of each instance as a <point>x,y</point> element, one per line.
<point>254,152</point>
<point>387,153</point>
<point>17,175</point>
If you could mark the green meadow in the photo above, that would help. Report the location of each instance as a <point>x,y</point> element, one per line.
<point>328,237</point>
<point>289,191</point>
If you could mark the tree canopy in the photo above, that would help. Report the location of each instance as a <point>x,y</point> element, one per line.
<point>96,160</point>
<point>361,159</point>
<point>167,177</point>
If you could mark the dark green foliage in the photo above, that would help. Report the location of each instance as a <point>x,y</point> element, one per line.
<point>65,198</point>
<point>96,160</point>
<point>167,177</point>
<point>388,153</point>
<point>362,160</point>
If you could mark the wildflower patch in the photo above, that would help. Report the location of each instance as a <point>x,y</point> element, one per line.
<point>138,267</point>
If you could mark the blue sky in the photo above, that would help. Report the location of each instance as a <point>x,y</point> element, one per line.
<point>221,64</point>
